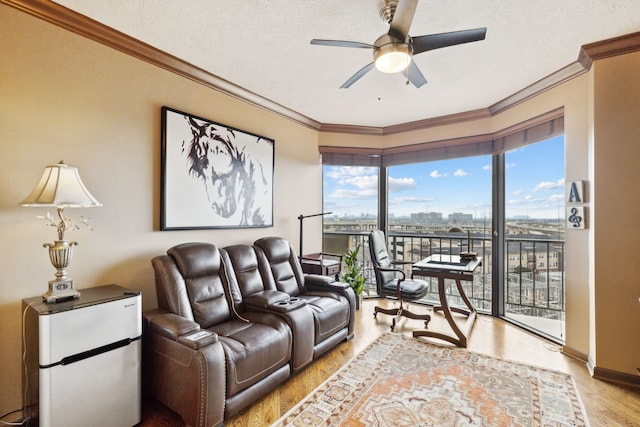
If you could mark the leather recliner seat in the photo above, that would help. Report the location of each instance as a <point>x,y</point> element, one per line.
<point>224,335</point>
<point>332,303</point>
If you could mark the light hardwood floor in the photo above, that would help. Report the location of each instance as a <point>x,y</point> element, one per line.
<point>606,404</point>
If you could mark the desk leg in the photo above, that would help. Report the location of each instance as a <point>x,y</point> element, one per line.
<point>460,338</point>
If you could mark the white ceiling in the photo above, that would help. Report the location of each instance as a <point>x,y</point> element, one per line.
<point>263,46</point>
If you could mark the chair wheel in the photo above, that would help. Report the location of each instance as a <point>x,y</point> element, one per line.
<point>426,324</point>
<point>392,327</point>
<point>375,314</point>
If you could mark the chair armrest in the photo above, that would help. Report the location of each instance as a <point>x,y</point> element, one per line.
<point>394,270</point>
<point>401,262</point>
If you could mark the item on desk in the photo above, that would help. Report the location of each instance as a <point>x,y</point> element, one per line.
<point>468,256</point>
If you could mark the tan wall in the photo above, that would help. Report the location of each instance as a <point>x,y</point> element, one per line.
<point>616,202</point>
<point>65,97</point>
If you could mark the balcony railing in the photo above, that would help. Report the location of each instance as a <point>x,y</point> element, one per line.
<point>534,278</point>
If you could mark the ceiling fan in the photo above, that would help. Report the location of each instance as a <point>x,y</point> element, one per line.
<point>393,51</point>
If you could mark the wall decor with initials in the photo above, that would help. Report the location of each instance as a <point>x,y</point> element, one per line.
<point>575,211</point>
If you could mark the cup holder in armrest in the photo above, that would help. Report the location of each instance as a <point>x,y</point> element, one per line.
<point>288,304</point>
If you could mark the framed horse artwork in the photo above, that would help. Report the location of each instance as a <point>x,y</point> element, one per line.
<point>213,175</point>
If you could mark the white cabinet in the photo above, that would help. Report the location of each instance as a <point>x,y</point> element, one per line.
<point>83,359</point>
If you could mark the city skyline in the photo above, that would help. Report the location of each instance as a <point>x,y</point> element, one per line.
<point>535,185</point>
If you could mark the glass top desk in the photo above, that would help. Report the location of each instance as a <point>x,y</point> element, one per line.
<point>451,267</point>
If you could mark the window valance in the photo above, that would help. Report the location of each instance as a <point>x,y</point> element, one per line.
<point>351,156</point>
<point>531,131</point>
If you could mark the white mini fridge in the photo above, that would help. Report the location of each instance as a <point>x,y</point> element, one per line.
<point>83,359</point>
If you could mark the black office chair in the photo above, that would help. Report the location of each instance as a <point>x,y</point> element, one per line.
<point>392,283</point>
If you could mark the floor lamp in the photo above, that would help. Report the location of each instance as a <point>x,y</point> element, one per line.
<point>301,218</point>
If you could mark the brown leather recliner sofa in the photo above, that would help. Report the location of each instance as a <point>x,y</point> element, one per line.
<point>234,323</point>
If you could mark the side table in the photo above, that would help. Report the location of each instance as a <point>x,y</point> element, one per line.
<point>451,267</point>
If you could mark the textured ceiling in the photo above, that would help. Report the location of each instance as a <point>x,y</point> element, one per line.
<point>263,46</point>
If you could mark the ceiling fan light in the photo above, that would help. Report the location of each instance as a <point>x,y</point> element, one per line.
<point>392,57</point>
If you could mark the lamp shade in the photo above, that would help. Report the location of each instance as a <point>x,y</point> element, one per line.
<point>62,187</point>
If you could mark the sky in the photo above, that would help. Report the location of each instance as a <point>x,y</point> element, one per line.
<point>535,185</point>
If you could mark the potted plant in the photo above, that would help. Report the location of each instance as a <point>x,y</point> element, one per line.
<point>353,273</point>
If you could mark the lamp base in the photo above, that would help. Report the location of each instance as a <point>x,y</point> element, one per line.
<point>60,290</point>
<point>468,256</point>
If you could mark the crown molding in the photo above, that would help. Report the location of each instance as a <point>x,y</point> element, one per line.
<point>86,27</point>
<point>98,32</point>
<point>563,75</point>
<point>622,45</point>
<point>482,113</point>
<point>527,124</point>
<point>353,129</point>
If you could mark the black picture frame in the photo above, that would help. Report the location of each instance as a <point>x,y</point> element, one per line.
<point>214,175</point>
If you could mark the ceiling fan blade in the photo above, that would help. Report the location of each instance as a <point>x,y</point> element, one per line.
<point>402,18</point>
<point>414,75</point>
<point>436,41</point>
<point>341,43</point>
<point>364,70</point>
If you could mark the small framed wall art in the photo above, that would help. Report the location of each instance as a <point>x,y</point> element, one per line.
<point>213,175</point>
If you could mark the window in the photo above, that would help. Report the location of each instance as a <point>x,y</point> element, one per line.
<point>506,188</point>
<point>425,200</point>
<point>534,229</point>
<point>350,193</point>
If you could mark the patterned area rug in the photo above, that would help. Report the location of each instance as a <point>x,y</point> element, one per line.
<point>401,381</point>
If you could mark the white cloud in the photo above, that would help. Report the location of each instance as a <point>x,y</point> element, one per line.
<point>362,182</point>
<point>345,172</point>
<point>460,172</point>
<point>486,167</point>
<point>548,185</point>
<point>518,192</point>
<point>436,174</point>
<point>354,182</point>
<point>528,199</point>
<point>556,197</point>
<point>342,193</point>
<point>399,184</point>
<point>410,199</point>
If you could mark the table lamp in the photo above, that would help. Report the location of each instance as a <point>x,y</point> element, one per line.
<point>60,187</point>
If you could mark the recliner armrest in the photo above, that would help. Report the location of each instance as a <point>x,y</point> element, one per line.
<point>170,325</point>
<point>198,339</point>
<point>270,300</point>
<point>265,298</point>
<point>186,375</point>
<point>318,282</point>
